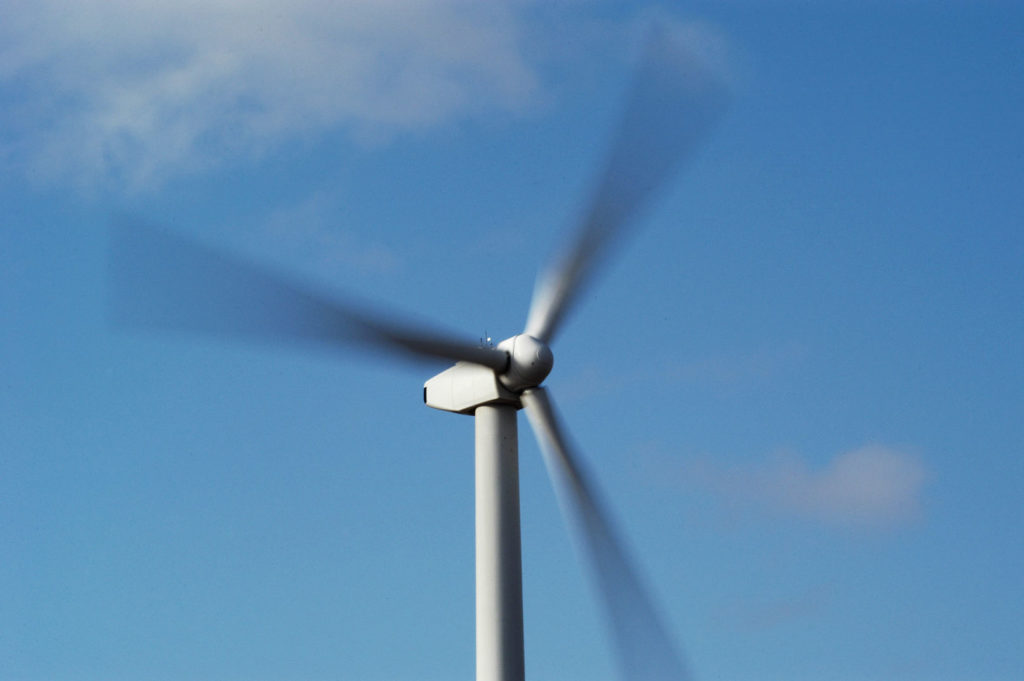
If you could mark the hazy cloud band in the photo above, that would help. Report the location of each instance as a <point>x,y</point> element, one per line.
<point>132,92</point>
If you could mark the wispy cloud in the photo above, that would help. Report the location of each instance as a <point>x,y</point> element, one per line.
<point>871,487</point>
<point>766,613</point>
<point>132,92</point>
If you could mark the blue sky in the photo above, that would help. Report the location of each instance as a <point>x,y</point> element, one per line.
<point>799,384</point>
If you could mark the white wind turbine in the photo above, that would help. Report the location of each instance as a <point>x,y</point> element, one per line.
<point>164,281</point>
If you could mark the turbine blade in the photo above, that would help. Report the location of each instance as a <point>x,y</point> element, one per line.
<point>674,101</point>
<point>645,650</point>
<point>166,282</point>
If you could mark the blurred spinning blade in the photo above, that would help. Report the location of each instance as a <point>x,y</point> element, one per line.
<point>645,650</point>
<point>165,282</point>
<point>674,101</point>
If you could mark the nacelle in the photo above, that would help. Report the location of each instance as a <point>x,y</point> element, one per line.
<point>464,387</point>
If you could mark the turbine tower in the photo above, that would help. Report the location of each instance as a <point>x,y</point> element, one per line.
<point>164,281</point>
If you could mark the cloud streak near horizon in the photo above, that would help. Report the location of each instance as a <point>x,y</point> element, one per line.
<point>133,93</point>
<point>872,487</point>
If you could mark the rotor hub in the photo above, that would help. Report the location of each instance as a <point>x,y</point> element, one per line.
<point>529,362</point>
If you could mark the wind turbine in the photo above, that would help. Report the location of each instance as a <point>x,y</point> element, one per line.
<point>160,280</point>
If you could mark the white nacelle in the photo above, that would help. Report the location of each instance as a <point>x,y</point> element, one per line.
<point>464,387</point>
<point>530,361</point>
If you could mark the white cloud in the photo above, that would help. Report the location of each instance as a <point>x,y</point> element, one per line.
<point>132,91</point>
<point>872,486</point>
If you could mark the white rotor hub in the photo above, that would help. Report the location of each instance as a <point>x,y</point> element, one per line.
<point>530,361</point>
